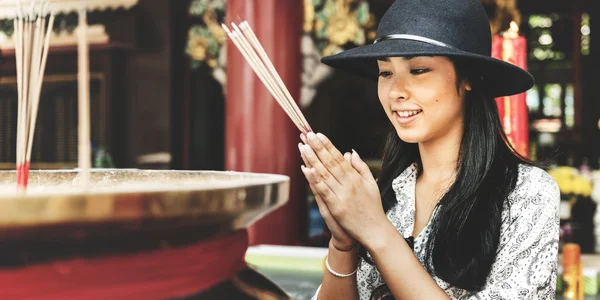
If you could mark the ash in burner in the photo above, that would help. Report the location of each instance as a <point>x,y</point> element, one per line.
<point>65,182</point>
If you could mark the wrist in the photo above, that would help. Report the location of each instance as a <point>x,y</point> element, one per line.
<point>381,238</point>
<point>343,248</point>
<point>343,262</point>
<point>339,250</point>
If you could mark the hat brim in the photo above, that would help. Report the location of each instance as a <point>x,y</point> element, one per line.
<point>502,78</point>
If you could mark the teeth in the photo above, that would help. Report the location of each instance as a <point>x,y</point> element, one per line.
<point>408,113</point>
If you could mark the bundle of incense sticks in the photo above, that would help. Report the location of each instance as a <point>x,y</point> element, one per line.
<point>32,30</point>
<point>246,41</point>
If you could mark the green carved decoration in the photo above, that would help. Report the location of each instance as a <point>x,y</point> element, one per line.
<point>335,24</point>
<point>205,36</point>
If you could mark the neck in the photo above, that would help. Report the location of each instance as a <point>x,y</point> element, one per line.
<point>439,158</point>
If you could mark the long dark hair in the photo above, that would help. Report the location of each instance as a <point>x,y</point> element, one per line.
<point>465,231</point>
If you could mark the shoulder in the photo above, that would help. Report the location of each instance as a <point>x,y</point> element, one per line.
<point>535,186</point>
<point>536,179</point>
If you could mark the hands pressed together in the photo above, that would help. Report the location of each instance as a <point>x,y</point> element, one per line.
<point>345,190</point>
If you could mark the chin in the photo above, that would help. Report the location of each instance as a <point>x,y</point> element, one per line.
<point>410,136</point>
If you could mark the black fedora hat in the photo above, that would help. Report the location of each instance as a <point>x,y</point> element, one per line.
<point>453,28</point>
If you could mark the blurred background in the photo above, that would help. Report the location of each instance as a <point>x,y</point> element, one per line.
<point>169,92</point>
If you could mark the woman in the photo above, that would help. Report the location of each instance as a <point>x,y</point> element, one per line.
<point>455,213</point>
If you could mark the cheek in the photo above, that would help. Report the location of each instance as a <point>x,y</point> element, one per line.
<point>383,99</point>
<point>443,111</point>
<point>442,103</point>
<point>381,92</point>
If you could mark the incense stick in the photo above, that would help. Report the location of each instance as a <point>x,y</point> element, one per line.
<point>264,77</point>
<point>83,81</point>
<point>32,40</point>
<point>249,33</point>
<point>41,63</point>
<point>276,86</point>
<point>247,43</point>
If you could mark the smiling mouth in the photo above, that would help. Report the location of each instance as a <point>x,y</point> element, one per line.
<point>408,113</point>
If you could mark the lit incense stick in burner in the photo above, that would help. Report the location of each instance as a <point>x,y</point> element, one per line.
<point>83,83</point>
<point>32,38</point>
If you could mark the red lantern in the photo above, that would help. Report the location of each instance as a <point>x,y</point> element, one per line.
<point>512,48</point>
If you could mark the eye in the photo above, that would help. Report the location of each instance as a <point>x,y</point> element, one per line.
<point>385,74</point>
<point>419,71</point>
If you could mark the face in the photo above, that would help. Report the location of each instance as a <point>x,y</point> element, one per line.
<point>420,97</point>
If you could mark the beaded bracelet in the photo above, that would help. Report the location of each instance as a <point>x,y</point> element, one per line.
<point>336,274</point>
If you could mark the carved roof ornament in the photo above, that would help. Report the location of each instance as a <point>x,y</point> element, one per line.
<point>8,11</point>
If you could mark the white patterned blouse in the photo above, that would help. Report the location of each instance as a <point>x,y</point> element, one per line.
<point>526,263</point>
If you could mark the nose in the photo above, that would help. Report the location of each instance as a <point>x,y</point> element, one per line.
<point>399,90</point>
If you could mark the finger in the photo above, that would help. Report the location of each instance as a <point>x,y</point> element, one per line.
<point>323,210</point>
<point>312,177</point>
<point>306,162</point>
<point>326,214</point>
<point>334,152</point>
<point>348,157</point>
<point>320,188</point>
<point>323,190</point>
<point>361,166</point>
<point>303,138</point>
<point>321,170</point>
<point>322,206</point>
<point>331,162</point>
<point>330,221</point>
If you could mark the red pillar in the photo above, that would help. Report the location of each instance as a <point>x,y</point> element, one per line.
<point>259,137</point>
<point>513,109</point>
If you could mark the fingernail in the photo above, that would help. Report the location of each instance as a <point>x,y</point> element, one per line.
<point>300,147</point>
<point>354,151</point>
<point>322,137</point>
<point>311,136</point>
